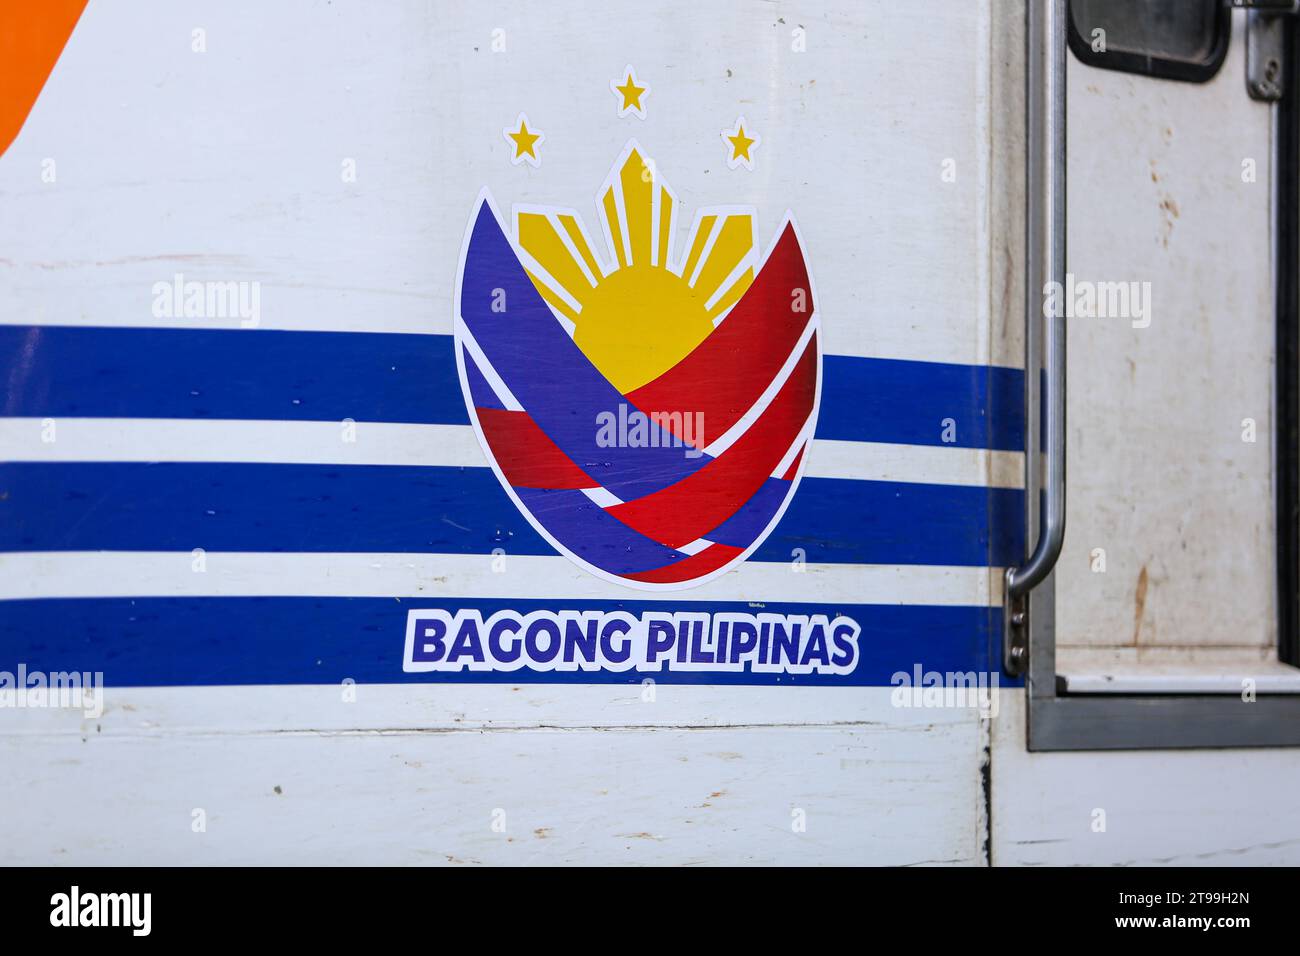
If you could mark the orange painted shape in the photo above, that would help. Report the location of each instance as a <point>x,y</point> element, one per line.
<point>32,35</point>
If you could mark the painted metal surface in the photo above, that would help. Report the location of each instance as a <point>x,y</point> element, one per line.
<point>147,375</point>
<point>225,433</point>
<point>1171,429</point>
<point>240,510</point>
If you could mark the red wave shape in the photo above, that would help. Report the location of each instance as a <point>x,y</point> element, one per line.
<point>689,509</point>
<point>733,366</point>
<point>527,456</point>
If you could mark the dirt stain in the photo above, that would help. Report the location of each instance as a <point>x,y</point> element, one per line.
<point>1169,211</point>
<point>1139,604</point>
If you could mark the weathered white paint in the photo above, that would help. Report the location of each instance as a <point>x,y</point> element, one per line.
<point>1278,679</point>
<point>1182,808</point>
<point>1218,670</point>
<point>1160,477</point>
<point>583,775</point>
<point>1157,473</point>
<point>400,575</point>
<point>227,165</point>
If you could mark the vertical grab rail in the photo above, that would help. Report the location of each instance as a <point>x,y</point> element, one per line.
<point>1045,49</point>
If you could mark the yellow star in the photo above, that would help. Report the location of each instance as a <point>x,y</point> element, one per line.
<point>525,142</point>
<point>741,144</point>
<point>630,93</point>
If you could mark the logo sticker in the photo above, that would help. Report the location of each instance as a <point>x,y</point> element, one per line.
<point>648,407</point>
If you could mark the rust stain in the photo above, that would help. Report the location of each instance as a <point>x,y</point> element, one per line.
<point>1139,603</point>
<point>1169,211</point>
<point>542,832</point>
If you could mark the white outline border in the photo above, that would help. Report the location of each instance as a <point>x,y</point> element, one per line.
<point>461,333</point>
<point>534,158</point>
<point>630,74</point>
<point>747,161</point>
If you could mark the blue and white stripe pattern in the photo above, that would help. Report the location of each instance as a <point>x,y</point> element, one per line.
<point>229,441</point>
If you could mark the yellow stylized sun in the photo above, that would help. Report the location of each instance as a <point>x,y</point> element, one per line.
<point>637,311</point>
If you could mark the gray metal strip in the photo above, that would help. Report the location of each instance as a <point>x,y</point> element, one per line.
<point>1162,722</point>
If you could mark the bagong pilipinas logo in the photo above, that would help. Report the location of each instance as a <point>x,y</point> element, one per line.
<point>649,412</point>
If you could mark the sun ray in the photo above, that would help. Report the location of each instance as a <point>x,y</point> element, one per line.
<point>589,273</point>
<point>638,201</point>
<point>699,238</point>
<point>552,291</point>
<point>641,315</point>
<point>613,227</point>
<point>731,244</point>
<point>538,235</point>
<point>667,218</point>
<point>578,236</point>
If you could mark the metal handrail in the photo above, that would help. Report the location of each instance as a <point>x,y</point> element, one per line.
<point>1045,263</point>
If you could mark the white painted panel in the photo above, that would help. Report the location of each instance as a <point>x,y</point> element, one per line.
<point>43,574</point>
<point>332,708</point>
<point>867,783</point>
<point>1159,474</point>
<point>1180,670</point>
<point>1181,808</point>
<point>226,165</point>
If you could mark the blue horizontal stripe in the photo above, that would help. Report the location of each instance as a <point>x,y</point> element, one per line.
<point>60,371</point>
<point>922,403</point>
<point>137,506</point>
<point>142,642</point>
<point>66,371</point>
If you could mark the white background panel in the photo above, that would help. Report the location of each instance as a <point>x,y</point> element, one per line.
<point>226,165</point>
<point>40,574</point>
<point>1160,477</point>
<point>1182,808</point>
<point>867,783</point>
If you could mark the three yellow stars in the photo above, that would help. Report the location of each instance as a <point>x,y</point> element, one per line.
<point>525,142</point>
<point>742,145</point>
<point>630,93</point>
